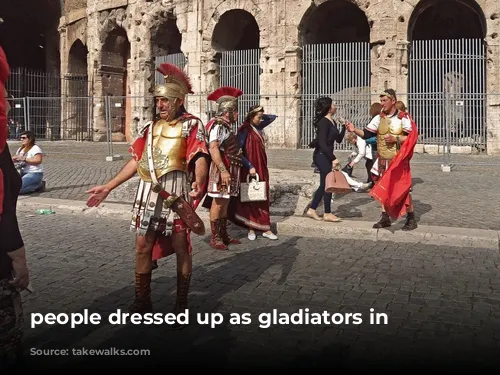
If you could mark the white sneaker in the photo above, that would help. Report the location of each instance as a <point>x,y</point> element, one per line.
<point>252,236</point>
<point>271,236</point>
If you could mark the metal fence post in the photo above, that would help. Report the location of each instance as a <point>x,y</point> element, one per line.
<point>445,167</point>
<point>107,119</point>
<point>108,107</point>
<point>28,103</point>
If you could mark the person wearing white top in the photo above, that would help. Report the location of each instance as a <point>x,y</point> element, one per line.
<point>28,159</point>
<point>362,150</point>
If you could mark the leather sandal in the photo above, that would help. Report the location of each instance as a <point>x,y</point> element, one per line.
<point>332,218</point>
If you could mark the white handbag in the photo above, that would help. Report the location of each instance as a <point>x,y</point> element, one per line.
<point>253,191</point>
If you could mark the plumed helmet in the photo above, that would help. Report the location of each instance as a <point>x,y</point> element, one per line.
<point>226,98</point>
<point>177,83</point>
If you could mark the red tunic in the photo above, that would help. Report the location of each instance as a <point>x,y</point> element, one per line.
<point>254,215</point>
<point>393,188</point>
<point>195,145</point>
<point>4,75</point>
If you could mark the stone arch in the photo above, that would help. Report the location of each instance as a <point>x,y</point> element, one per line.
<point>115,56</point>
<point>77,59</point>
<point>236,30</point>
<point>166,43</point>
<point>75,114</point>
<point>334,21</point>
<point>235,39</point>
<point>111,21</point>
<point>447,19</point>
<point>447,39</point>
<point>335,40</point>
<point>232,5</point>
<point>30,37</point>
<point>166,38</point>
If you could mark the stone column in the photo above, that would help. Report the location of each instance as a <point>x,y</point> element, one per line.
<point>492,133</point>
<point>280,95</point>
<point>493,98</point>
<point>384,65</point>
<point>140,82</point>
<point>280,81</point>
<point>210,70</point>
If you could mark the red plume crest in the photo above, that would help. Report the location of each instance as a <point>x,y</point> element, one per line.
<point>169,70</point>
<point>225,91</point>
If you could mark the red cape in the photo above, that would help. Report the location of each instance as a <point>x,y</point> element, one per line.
<point>393,188</point>
<point>4,75</point>
<point>163,245</point>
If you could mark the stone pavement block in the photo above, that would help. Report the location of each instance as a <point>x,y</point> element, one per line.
<point>442,236</point>
<point>441,199</point>
<point>101,280</point>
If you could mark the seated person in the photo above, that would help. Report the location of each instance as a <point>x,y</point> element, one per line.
<point>28,160</point>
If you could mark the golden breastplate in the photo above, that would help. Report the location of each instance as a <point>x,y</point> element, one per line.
<point>393,126</point>
<point>169,150</point>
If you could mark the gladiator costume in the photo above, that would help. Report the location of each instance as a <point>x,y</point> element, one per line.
<point>166,152</point>
<point>393,187</point>
<point>220,130</point>
<point>11,311</point>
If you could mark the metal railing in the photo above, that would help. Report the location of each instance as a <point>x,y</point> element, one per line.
<point>117,118</point>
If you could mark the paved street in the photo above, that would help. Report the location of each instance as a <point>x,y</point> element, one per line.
<point>443,303</point>
<point>466,197</point>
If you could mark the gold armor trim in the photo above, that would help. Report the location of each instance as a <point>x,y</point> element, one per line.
<point>169,150</point>
<point>393,126</point>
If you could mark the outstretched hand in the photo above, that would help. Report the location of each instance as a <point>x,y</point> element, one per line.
<point>98,194</point>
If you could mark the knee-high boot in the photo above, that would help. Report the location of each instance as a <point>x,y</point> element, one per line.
<point>183,282</point>
<point>216,241</point>
<point>226,238</point>
<point>181,303</point>
<point>142,303</point>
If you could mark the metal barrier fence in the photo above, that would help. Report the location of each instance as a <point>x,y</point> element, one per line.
<point>442,120</point>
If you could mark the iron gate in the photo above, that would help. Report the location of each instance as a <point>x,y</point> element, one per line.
<point>241,69</point>
<point>341,71</point>
<point>447,91</point>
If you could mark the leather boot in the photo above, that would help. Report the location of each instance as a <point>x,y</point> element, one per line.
<point>216,240</point>
<point>384,222</point>
<point>226,238</point>
<point>181,303</point>
<point>411,222</point>
<point>142,303</point>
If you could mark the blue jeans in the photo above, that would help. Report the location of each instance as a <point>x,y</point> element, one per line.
<point>31,182</point>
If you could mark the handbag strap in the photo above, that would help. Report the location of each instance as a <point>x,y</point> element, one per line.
<point>256,176</point>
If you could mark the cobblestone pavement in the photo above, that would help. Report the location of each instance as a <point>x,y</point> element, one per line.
<point>442,303</point>
<point>466,197</point>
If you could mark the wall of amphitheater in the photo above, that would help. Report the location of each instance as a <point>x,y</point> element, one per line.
<point>439,54</point>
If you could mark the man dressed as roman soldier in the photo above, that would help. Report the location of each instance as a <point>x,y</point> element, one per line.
<point>397,135</point>
<point>224,175</point>
<point>171,158</point>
